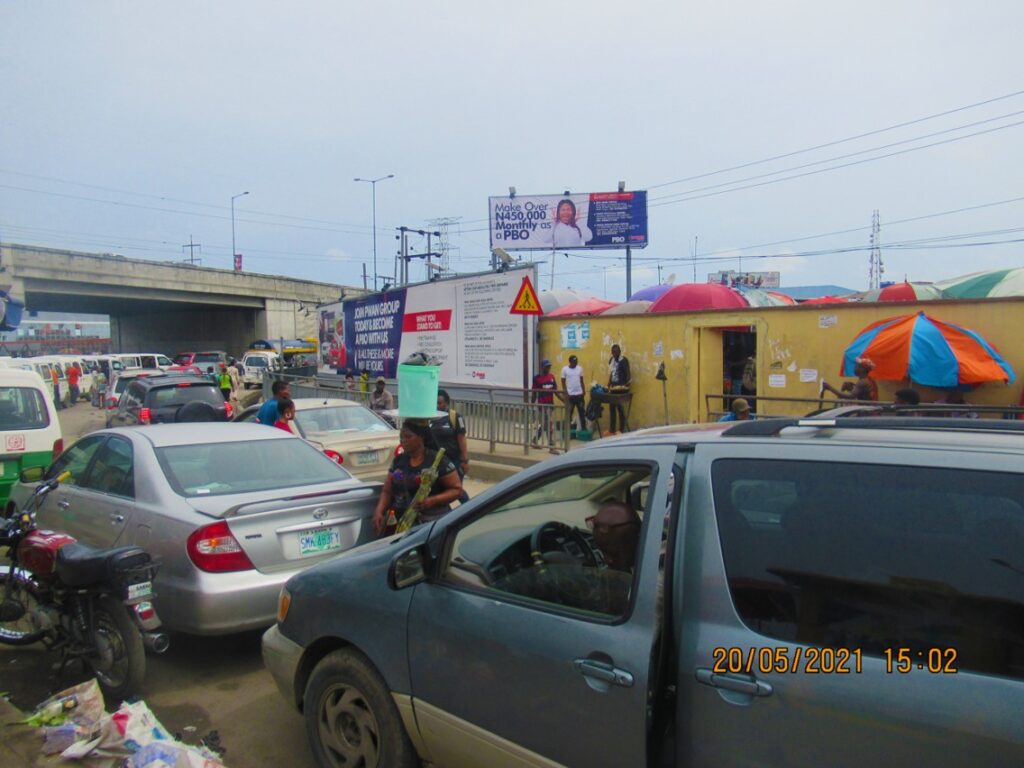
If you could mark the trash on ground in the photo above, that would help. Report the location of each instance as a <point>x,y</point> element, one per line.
<point>76,725</point>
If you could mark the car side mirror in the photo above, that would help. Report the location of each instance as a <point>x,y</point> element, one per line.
<point>408,568</point>
<point>32,474</point>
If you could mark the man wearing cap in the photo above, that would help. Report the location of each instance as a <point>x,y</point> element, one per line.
<point>380,398</point>
<point>740,411</point>
<point>544,389</point>
<point>572,383</point>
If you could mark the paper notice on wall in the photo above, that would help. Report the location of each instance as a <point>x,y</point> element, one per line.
<point>827,321</point>
<point>676,354</point>
<point>777,381</point>
<point>659,349</point>
<point>808,375</point>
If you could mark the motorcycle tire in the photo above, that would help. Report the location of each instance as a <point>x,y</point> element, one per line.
<point>23,590</point>
<point>119,658</point>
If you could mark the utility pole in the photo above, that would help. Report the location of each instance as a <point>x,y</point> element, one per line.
<point>875,266</point>
<point>695,258</point>
<point>373,186</point>
<point>192,251</point>
<point>364,275</point>
<point>444,246</point>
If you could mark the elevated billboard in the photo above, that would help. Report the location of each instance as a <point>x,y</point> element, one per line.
<point>551,222</point>
<point>464,323</point>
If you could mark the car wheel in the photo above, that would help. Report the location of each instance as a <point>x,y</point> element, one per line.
<point>351,719</point>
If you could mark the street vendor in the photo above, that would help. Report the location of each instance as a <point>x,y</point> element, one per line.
<point>403,481</point>
<point>864,388</point>
<point>618,382</point>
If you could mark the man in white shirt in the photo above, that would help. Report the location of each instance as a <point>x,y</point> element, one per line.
<point>572,383</point>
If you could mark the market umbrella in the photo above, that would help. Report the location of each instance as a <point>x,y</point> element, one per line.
<point>783,298</point>
<point>904,292</point>
<point>551,300</point>
<point>927,351</point>
<point>758,297</point>
<point>984,285</point>
<point>651,292</point>
<point>630,307</point>
<point>696,296</point>
<point>583,307</point>
<point>827,300</point>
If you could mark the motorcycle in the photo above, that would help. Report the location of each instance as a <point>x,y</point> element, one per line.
<point>91,604</point>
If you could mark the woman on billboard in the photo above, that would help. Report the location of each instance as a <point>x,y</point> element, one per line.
<point>567,233</point>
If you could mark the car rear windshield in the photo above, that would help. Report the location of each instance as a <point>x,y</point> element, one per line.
<point>183,359</point>
<point>255,362</point>
<point>176,395</point>
<point>22,408</point>
<point>340,418</point>
<point>207,357</point>
<point>246,467</point>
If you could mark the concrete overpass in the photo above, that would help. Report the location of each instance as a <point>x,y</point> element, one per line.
<point>166,306</point>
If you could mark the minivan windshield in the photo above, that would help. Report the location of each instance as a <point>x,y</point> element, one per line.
<point>255,362</point>
<point>246,467</point>
<point>22,408</point>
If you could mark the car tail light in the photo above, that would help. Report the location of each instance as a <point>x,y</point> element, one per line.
<point>58,448</point>
<point>145,416</point>
<point>213,549</point>
<point>229,410</point>
<point>334,456</point>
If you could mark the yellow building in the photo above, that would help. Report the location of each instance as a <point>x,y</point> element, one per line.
<point>795,347</point>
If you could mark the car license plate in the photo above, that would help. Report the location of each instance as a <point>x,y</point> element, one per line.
<point>142,589</point>
<point>367,457</point>
<point>319,540</point>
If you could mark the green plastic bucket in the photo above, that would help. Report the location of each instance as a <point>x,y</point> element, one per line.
<point>417,391</point>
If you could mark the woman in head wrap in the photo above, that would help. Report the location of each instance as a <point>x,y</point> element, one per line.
<point>403,480</point>
<point>862,389</point>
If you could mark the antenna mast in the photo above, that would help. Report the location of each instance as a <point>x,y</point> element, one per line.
<point>875,266</point>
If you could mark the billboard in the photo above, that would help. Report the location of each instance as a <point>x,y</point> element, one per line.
<point>745,279</point>
<point>550,222</point>
<point>465,323</point>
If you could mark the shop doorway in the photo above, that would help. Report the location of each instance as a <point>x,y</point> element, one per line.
<point>739,353</point>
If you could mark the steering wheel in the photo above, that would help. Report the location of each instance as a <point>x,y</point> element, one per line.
<point>546,531</point>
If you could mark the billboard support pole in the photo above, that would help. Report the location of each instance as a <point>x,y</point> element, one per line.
<point>629,273</point>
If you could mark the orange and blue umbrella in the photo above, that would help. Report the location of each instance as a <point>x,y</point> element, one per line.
<point>927,351</point>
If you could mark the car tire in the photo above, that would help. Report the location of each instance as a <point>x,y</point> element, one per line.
<point>350,716</point>
<point>197,411</point>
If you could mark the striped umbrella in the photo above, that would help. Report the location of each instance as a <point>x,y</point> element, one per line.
<point>984,285</point>
<point>904,292</point>
<point>928,352</point>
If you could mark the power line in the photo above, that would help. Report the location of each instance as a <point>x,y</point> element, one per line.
<point>839,141</point>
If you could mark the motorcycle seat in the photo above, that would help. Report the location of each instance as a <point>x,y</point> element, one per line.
<point>79,565</point>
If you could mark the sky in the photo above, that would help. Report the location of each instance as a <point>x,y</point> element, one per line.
<point>127,127</point>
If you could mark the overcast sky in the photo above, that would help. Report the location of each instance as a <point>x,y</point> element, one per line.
<point>127,127</point>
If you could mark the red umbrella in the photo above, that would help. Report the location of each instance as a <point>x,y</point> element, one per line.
<point>695,296</point>
<point>583,307</point>
<point>827,300</point>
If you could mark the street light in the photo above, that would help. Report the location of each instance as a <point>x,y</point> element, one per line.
<point>373,184</point>
<point>234,251</point>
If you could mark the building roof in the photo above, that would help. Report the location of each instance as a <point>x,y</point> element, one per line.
<point>802,292</point>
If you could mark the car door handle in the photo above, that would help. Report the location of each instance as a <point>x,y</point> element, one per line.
<point>63,504</point>
<point>737,683</point>
<point>604,672</point>
<point>116,518</point>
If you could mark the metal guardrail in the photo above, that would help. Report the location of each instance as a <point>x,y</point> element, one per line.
<point>504,415</point>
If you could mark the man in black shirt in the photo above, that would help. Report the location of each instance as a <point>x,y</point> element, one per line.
<point>449,432</point>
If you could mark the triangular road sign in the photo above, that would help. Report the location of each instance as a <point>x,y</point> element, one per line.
<point>526,302</point>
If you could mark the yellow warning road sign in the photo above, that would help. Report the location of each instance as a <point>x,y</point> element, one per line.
<point>526,302</point>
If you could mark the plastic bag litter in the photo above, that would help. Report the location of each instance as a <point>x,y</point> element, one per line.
<point>76,725</point>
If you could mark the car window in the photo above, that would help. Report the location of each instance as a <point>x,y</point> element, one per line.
<point>133,395</point>
<point>112,471</point>
<point>163,361</point>
<point>22,408</point>
<point>340,419</point>
<point>246,467</point>
<point>178,394</point>
<point>876,558</point>
<point>75,460</point>
<point>255,362</point>
<point>572,551</point>
<point>148,361</point>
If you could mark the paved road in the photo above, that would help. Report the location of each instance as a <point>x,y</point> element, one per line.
<point>199,685</point>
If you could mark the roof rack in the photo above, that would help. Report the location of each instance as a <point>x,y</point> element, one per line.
<point>772,427</point>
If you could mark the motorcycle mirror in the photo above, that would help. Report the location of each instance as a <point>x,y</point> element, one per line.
<point>32,474</point>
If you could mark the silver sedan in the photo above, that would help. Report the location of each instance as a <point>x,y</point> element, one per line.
<point>231,510</point>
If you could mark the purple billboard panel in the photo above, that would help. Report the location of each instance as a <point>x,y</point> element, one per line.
<point>373,333</point>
